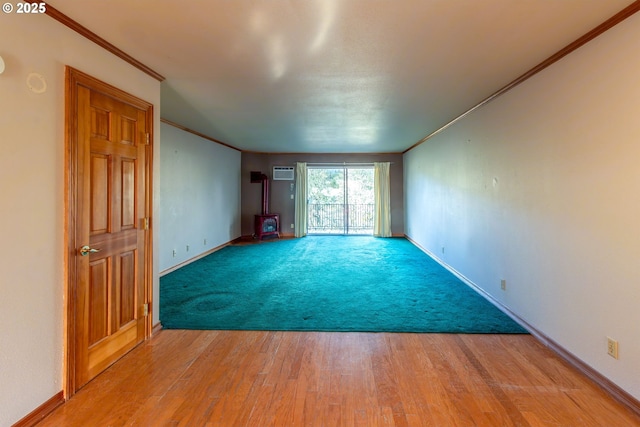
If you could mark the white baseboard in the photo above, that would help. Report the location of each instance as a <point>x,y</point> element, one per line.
<point>195,258</point>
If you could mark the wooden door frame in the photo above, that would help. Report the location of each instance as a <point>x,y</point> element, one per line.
<point>73,79</point>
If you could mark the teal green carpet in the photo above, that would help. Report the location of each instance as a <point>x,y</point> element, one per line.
<point>325,283</point>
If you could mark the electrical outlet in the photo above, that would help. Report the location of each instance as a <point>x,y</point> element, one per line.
<point>174,253</point>
<point>503,285</point>
<point>293,226</point>
<point>612,348</point>
<point>187,248</point>
<point>205,242</point>
<point>443,249</point>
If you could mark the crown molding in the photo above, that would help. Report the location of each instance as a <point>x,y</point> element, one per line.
<point>201,135</point>
<point>90,35</point>
<point>606,25</point>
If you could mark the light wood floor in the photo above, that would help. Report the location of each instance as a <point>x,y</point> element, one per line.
<point>223,378</point>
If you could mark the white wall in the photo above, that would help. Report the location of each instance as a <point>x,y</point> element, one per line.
<point>200,196</point>
<point>541,187</point>
<point>32,199</point>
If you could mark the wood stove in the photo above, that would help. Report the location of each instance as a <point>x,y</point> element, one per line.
<point>266,224</point>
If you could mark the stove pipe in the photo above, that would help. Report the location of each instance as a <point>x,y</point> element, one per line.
<point>265,195</point>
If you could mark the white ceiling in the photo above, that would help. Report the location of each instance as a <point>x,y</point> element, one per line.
<point>333,76</point>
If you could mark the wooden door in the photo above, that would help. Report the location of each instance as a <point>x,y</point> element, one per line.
<point>109,254</point>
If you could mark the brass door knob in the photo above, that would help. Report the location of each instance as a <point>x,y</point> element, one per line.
<point>86,250</point>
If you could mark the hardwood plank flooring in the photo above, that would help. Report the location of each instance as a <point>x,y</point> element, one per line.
<point>256,378</point>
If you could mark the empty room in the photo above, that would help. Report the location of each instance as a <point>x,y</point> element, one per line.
<point>320,213</point>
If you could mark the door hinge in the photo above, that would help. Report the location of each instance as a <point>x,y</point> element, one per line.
<point>145,310</point>
<point>144,223</point>
<point>148,138</point>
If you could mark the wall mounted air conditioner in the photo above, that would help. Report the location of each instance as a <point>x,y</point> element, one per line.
<point>283,173</point>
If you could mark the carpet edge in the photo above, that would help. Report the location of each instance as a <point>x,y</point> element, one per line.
<point>464,279</point>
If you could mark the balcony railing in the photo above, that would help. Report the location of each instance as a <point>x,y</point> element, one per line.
<point>340,218</point>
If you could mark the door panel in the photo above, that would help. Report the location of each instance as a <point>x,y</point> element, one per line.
<point>110,210</point>
<point>325,209</point>
<point>99,183</point>
<point>127,218</point>
<point>360,200</point>
<point>98,301</point>
<point>127,288</point>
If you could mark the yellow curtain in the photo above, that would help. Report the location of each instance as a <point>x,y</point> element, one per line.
<point>382,200</point>
<point>300,223</point>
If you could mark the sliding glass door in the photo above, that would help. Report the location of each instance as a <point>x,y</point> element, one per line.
<point>341,200</point>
